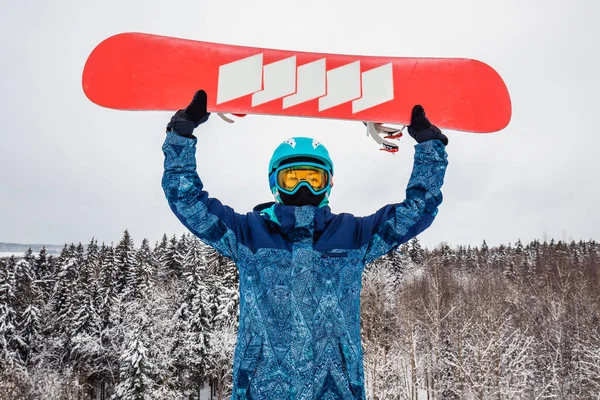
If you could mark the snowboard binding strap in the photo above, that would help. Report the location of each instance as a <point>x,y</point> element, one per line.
<point>375,129</point>
<point>229,120</point>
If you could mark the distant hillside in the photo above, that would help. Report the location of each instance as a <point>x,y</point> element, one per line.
<point>18,248</point>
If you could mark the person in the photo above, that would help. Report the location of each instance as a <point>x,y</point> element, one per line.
<point>300,265</point>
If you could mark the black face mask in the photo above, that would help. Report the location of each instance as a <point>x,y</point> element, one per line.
<point>303,197</point>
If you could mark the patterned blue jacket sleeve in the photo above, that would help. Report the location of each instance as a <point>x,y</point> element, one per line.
<point>205,217</point>
<point>395,224</point>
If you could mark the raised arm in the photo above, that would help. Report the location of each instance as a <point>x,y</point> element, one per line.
<point>395,224</point>
<point>208,219</point>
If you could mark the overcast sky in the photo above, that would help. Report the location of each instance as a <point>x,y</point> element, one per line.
<point>71,170</point>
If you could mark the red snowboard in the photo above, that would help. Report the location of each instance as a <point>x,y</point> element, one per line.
<point>137,71</point>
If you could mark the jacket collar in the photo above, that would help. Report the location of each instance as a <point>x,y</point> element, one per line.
<point>289,218</point>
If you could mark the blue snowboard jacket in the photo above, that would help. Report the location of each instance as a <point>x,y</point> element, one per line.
<point>300,271</point>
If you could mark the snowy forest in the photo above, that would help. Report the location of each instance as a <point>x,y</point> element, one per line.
<point>104,321</point>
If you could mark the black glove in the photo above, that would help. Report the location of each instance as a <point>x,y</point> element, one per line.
<point>185,121</point>
<point>422,130</point>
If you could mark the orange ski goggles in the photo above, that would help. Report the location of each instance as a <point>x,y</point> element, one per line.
<point>290,177</point>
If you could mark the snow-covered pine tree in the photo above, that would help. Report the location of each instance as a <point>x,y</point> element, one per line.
<point>64,299</point>
<point>498,259</point>
<point>223,296</point>
<point>107,306</point>
<point>397,261</point>
<point>446,255</point>
<point>108,281</point>
<point>125,259</point>
<point>13,373</point>
<point>483,255</point>
<point>161,336</point>
<point>181,254</point>
<point>25,294</point>
<point>517,262</point>
<point>85,289</point>
<point>44,274</point>
<point>29,332</point>
<point>416,252</point>
<point>8,316</point>
<point>223,303</point>
<point>86,324</point>
<point>170,266</point>
<point>142,276</point>
<point>471,262</point>
<point>161,247</point>
<point>159,254</point>
<point>194,320</point>
<point>92,260</point>
<point>25,276</point>
<point>134,382</point>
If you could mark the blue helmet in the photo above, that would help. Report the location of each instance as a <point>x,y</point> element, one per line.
<point>300,148</point>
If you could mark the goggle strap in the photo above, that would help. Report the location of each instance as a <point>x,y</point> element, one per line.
<point>309,164</point>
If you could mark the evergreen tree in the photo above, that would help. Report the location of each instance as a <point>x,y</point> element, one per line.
<point>125,259</point>
<point>85,316</point>
<point>460,256</point>
<point>64,288</point>
<point>134,382</point>
<point>196,276</point>
<point>107,305</point>
<point>223,297</point>
<point>447,257</point>
<point>141,277</point>
<point>193,317</point>
<point>471,259</point>
<point>26,293</point>
<point>161,247</point>
<point>416,253</point>
<point>227,289</point>
<point>86,322</point>
<point>180,255</point>
<point>25,277</point>
<point>169,261</point>
<point>483,255</point>
<point>8,316</point>
<point>92,260</point>
<point>108,282</point>
<point>498,259</point>
<point>85,329</point>
<point>29,331</point>
<point>44,275</point>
